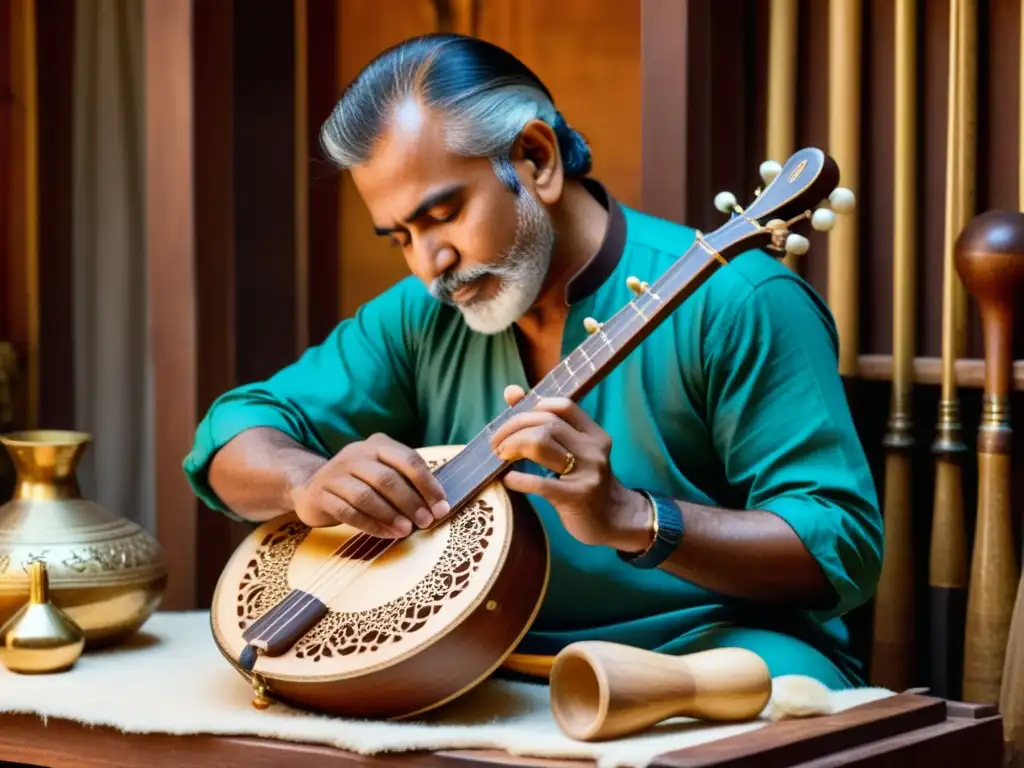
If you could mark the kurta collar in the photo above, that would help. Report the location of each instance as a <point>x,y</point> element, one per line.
<point>603,262</point>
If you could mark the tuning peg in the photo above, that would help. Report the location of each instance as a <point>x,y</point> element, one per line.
<point>635,285</point>
<point>726,203</point>
<point>797,244</point>
<point>769,170</point>
<point>591,325</point>
<point>823,219</point>
<point>842,200</point>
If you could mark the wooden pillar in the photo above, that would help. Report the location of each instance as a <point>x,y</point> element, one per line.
<point>21,292</point>
<point>324,183</point>
<point>170,242</point>
<point>55,37</point>
<point>664,74</point>
<point>213,61</point>
<point>703,114</point>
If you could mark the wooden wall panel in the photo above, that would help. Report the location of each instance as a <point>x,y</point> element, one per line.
<point>7,104</point>
<point>7,116</point>
<point>368,265</point>
<point>215,254</point>
<point>587,53</point>
<point>22,241</point>
<point>264,187</point>
<point>171,297</point>
<point>713,25</point>
<point>324,182</point>
<point>55,74</point>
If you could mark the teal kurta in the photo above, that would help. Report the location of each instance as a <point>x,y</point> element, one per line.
<point>733,401</point>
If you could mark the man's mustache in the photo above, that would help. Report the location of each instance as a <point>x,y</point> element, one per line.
<point>444,286</point>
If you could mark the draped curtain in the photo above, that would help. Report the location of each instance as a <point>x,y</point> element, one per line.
<point>112,383</point>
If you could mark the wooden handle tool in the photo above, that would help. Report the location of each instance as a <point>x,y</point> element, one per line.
<point>602,690</point>
<point>990,262</point>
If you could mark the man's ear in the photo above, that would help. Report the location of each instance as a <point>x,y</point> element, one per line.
<point>536,150</point>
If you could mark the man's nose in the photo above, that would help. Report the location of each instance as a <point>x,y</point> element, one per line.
<point>434,259</point>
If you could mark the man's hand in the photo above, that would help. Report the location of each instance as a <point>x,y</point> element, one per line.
<point>593,505</point>
<point>377,485</point>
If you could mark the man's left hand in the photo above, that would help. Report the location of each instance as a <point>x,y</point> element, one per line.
<point>560,436</point>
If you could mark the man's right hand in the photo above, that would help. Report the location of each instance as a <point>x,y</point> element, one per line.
<point>377,485</point>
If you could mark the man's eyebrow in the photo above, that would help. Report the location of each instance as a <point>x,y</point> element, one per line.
<point>435,198</point>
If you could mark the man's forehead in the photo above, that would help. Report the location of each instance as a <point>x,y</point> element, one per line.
<point>413,138</point>
<point>409,161</point>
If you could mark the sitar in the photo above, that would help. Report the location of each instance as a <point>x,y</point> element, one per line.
<point>337,621</point>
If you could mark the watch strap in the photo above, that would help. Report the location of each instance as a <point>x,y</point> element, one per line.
<point>668,532</point>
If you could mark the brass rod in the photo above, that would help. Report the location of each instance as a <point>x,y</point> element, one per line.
<point>893,652</point>
<point>948,563</point>
<point>782,58</point>
<point>844,144</point>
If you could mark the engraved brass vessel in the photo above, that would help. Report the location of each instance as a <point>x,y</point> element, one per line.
<point>107,573</point>
<point>40,638</point>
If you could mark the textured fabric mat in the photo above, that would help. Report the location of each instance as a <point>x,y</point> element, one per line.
<point>172,679</point>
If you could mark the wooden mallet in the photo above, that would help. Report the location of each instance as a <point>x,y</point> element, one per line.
<point>990,262</point>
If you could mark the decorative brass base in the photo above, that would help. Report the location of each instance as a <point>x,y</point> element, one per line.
<point>40,638</point>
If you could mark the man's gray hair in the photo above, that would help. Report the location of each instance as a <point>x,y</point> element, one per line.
<point>486,94</point>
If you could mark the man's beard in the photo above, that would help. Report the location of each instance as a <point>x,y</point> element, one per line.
<point>520,271</point>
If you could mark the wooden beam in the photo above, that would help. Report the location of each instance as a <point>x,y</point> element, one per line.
<point>970,373</point>
<point>170,240</point>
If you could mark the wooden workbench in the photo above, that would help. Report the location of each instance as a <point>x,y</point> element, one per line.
<point>908,729</point>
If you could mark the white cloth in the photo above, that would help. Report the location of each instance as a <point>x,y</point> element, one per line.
<point>172,679</point>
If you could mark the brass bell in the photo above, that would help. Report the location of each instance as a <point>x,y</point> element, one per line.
<point>40,637</point>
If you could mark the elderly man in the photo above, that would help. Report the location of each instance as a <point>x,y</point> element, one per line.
<point>710,491</point>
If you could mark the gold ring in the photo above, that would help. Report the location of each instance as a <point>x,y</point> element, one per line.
<point>570,462</point>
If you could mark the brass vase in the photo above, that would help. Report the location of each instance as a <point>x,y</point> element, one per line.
<point>107,573</point>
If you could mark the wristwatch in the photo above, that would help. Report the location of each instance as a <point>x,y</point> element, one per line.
<point>668,532</point>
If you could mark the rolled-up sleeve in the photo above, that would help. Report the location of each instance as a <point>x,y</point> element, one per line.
<point>358,381</point>
<point>781,423</point>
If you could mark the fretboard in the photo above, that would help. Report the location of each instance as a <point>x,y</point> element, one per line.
<point>476,465</point>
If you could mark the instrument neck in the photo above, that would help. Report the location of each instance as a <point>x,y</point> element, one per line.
<point>476,465</point>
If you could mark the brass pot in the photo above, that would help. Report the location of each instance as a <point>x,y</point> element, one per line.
<point>107,573</point>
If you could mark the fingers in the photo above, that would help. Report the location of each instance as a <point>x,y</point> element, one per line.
<point>572,414</point>
<point>415,470</point>
<point>324,509</point>
<point>393,490</point>
<point>524,482</point>
<point>356,502</point>
<point>562,407</point>
<point>546,443</point>
<point>513,394</point>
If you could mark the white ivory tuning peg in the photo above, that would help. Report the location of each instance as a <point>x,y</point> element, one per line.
<point>635,285</point>
<point>842,200</point>
<point>797,244</point>
<point>591,325</point>
<point>726,202</point>
<point>823,219</point>
<point>769,170</point>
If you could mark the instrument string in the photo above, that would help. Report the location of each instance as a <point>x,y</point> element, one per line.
<point>342,558</point>
<point>349,552</point>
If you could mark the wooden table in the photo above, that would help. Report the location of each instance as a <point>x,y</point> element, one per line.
<point>908,729</point>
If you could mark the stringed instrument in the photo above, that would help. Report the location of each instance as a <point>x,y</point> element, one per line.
<point>337,621</point>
